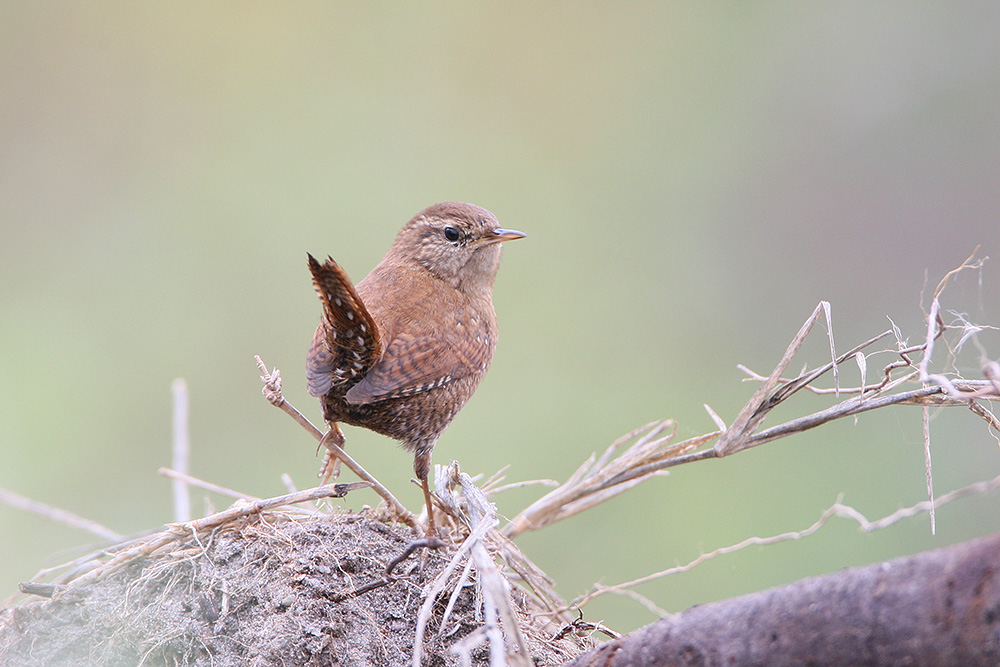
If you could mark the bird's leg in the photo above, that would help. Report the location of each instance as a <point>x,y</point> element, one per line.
<point>431,530</point>
<point>422,466</point>
<point>331,463</point>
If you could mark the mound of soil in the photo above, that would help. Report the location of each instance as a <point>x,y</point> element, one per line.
<point>276,589</point>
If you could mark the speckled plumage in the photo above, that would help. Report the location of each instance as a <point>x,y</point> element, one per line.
<point>402,352</point>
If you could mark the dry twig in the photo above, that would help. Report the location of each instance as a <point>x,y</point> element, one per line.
<point>838,509</point>
<point>84,571</point>
<point>181,450</point>
<point>600,479</point>
<point>202,484</point>
<point>597,479</point>
<point>272,392</point>
<point>57,515</point>
<point>501,627</point>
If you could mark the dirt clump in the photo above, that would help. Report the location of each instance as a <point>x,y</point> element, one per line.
<point>277,589</point>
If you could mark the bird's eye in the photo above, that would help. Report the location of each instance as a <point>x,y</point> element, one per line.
<point>451,234</point>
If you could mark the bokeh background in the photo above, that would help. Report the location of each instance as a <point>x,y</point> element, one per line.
<point>693,178</point>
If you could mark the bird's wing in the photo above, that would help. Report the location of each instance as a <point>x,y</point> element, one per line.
<point>347,343</point>
<point>412,364</point>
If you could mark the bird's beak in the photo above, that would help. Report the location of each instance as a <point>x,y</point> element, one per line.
<point>501,235</point>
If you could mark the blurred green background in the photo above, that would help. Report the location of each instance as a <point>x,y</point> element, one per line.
<point>693,179</point>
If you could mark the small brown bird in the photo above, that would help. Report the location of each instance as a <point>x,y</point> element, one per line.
<point>402,352</point>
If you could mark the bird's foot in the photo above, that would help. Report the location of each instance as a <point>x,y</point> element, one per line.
<point>330,469</point>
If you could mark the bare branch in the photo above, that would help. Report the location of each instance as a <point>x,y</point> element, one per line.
<point>272,392</point>
<point>57,515</point>
<point>935,608</point>
<point>836,510</point>
<point>754,411</point>
<point>598,480</point>
<point>181,450</point>
<point>208,486</point>
<point>144,546</point>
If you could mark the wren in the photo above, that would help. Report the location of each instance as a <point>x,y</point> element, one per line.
<point>401,352</point>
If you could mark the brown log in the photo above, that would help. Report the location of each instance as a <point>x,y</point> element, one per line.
<point>940,607</point>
